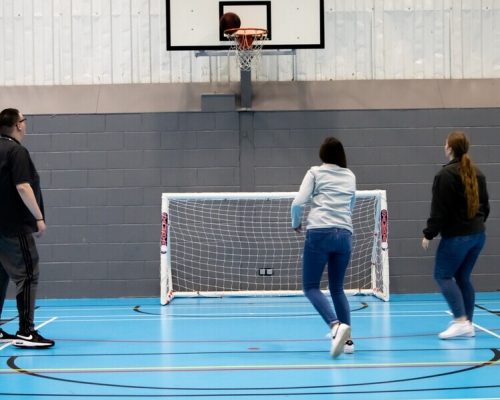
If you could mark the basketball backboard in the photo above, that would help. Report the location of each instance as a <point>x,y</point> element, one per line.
<point>291,24</point>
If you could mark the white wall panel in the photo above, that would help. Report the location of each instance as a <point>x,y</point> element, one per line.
<point>69,42</point>
<point>63,45</point>
<point>102,42</point>
<point>18,52</point>
<point>121,41</point>
<point>43,51</point>
<point>141,41</point>
<point>81,39</point>
<point>9,45</point>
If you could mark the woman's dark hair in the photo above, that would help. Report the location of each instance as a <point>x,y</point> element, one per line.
<point>332,152</point>
<point>459,145</point>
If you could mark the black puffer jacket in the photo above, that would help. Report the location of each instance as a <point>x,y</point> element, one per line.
<point>449,204</point>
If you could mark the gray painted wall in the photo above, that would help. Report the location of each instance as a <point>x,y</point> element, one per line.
<point>103,175</point>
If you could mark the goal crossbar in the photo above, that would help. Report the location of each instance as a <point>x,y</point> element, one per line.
<point>242,243</point>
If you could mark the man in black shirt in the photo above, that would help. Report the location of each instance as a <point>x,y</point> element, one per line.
<point>21,218</point>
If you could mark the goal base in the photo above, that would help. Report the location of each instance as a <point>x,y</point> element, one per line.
<point>256,293</point>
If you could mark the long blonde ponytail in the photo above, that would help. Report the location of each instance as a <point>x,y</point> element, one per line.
<point>459,144</point>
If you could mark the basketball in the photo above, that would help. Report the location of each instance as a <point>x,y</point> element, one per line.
<point>229,21</point>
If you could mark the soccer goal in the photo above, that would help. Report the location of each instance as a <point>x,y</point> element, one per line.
<point>219,244</point>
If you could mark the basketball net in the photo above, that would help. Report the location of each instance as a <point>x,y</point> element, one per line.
<point>246,45</point>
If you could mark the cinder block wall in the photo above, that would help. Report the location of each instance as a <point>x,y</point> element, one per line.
<point>103,176</point>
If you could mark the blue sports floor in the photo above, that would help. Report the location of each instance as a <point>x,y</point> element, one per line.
<point>251,348</point>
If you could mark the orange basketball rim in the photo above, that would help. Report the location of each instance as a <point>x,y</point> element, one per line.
<point>245,37</point>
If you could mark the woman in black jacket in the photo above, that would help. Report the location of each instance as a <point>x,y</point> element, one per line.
<point>459,210</point>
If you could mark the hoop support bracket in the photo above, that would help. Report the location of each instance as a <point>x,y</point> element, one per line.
<point>220,53</point>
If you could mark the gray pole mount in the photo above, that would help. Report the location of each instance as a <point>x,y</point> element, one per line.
<point>246,89</point>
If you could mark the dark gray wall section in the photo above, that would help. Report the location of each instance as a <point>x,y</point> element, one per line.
<point>103,176</point>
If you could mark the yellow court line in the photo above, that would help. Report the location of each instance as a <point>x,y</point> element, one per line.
<point>251,367</point>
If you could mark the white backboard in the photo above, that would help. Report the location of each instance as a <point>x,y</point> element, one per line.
<point>291,24</point>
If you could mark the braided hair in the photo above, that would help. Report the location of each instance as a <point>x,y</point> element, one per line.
<point>459,145</point>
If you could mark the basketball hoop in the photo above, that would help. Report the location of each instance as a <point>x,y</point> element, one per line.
<point>247,44</point>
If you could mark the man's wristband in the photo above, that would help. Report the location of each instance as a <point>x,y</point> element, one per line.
<point>40,219</point>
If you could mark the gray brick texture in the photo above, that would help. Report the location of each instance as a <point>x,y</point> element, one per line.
<point>103,176</point>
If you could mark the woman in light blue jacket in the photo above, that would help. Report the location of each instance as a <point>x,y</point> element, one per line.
<point>331,189</point>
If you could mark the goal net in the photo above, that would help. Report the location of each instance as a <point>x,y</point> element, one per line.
<point>243,244</point>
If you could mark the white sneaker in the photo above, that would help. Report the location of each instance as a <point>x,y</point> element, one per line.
<point>349,347</point>
<point>458,329</point>
<point>340,334</point>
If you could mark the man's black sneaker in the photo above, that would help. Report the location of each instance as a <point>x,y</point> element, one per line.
<point>32,340</point>
<point>6,337</point>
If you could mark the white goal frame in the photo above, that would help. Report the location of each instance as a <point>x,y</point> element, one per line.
<point>379,250</point>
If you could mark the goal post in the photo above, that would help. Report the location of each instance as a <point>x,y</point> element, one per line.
<point>219,244</point>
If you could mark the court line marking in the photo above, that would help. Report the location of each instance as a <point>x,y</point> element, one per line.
<point>36,327</point>
<point>236,352</point>
<point>486,330</point>
<point>13,366</point>
<point>462,398</point>
<point>263,367</point>
<point>479,327</point>
<point>83,318</point>
<point>270,302</point>
<point>204,306</point>
<point>359,314</point>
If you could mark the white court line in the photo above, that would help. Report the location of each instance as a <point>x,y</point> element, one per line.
<point>486,330</point>
<point>309,311</point>
<point>36,327</point>
<point>480,327</point>
<point>244,315</point>
<point>238,316</point>
<point>256,315</point>
<point>5,345</point>
<point>461,398</point>
<point>438,299</point>
<point>201,318</point>
<point>45,323</point>
<point>372,305</point>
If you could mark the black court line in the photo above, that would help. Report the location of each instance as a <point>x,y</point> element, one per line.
<point>250,341</point>
<point>248,394</point>
<point>497,313</point>
<point>242,352</point>
<point>4,321</point>
<point>206,302</point>
<point>137,309</point>
<point>187,341</point>
<point>11,362</point>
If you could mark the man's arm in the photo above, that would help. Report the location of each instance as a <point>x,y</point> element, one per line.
<point>29,199</point>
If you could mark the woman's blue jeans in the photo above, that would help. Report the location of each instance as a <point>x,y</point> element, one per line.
<point>455,259</point>
<point>332,247</point>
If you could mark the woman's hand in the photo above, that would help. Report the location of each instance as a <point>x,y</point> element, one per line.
<point>425,243</point>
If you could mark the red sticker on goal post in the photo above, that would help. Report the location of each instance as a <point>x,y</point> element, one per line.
<point>383,228</point>
<point>164,233</point>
